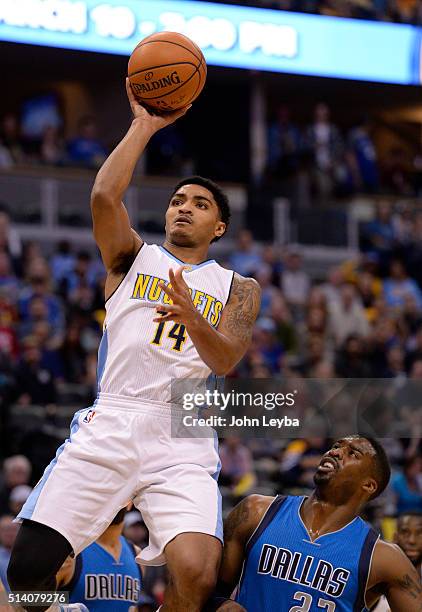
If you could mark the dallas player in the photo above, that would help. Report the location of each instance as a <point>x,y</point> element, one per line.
<point>122,448</point>
<point>105,576</point>
<point>315,553</point>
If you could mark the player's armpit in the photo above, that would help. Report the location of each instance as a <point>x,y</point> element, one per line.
<point>238,528</point>
<point>241,311</point>
<point>397,578</point>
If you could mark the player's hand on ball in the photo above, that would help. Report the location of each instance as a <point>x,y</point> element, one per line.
<point>154,121</point>
<point>182,309</point>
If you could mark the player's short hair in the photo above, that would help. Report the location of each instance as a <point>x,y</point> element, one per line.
<point>219,195</point>
<point>382,467</point>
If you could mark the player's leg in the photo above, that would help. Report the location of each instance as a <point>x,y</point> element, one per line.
<point>181,506</point>
<point>37,556</point>
<point>193,561</point>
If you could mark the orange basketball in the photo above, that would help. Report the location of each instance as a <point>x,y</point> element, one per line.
<point>167,71</point>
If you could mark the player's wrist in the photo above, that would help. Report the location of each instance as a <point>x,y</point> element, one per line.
<point>139,124</point>
<point>195,320</point>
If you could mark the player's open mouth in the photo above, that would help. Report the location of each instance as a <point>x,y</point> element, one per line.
<point>183,220</point>
<point>328,464</point>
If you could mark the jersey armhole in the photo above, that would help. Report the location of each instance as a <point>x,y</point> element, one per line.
<point>124,276</point>
<point>268,516</point>
<point>365,563</point>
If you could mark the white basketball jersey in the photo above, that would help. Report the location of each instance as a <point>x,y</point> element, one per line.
<point>138,357</point>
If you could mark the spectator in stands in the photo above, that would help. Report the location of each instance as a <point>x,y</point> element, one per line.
<point>268,345</point>
<point>39,285</point>
<point>332,286</point>
<point>135,529</point>
<point>324,142</point>
<point>378,235</point>
<point>347,316</point>
<point>62,263</point>
<point>10,241</point>
<point>86,149</point>
<point>11,139</point>
<point>395,363</point>
<point>16,471</point>
<point>18,497</point>
<point>299,462</point>
<point>398,286</point>
<point>284,143</point>
<point>34,383</point>
<point>52,149</point>
<point>285,327</point>
<point>414,352</point>
<point>8,280</point>
<point>295,283</point>
<point>246,259</point>
<point>73,355</point>
<point>237,469</point>
<point>407,486</point>
<point>351,359</point>
<point>8,533</point>
<point>269,294</point>
<point>364,158</point>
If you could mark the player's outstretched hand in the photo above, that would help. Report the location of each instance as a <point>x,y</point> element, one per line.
<point>182,309</point>
<point>156,122</point>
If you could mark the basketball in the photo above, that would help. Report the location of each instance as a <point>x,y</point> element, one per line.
<point>167,71</point>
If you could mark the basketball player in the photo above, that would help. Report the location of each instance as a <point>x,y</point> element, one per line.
<point>104,576</point>
<point>409,537</point>
<point>315,553</point>
<point>171,313</point>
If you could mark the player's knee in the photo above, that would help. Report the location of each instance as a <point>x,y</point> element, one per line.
<point>196,574</point>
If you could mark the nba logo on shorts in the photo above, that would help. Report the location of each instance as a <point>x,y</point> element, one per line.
<point>89,416</point>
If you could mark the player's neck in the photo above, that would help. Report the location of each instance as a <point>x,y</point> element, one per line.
<point>189,255</point>
<point>110,539</point>
<point>322,516</point>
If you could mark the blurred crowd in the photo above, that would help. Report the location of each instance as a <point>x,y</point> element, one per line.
<point>398,11</point>
<point>362,319</point>
<point>321,160</point>
<point>331,162</point>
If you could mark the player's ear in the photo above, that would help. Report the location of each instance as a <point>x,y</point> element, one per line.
<point>370,485</point>
<point>220,229</point>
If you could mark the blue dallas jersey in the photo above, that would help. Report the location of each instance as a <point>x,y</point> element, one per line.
<point>284,571</point>
<point>104,584</point>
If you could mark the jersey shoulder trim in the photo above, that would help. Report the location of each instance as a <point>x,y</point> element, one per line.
<point>268,517</point>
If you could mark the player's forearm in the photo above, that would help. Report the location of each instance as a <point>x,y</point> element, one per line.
<point>214,348</point>
<point>116,173</point>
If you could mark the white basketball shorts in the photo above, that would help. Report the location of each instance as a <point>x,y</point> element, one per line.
<point>121,450</point>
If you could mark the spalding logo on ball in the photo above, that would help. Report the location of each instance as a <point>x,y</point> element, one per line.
<point>167,71</point>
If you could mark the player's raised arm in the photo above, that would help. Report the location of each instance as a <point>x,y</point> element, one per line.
<point>397,577</point>
<point>112,230</point>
